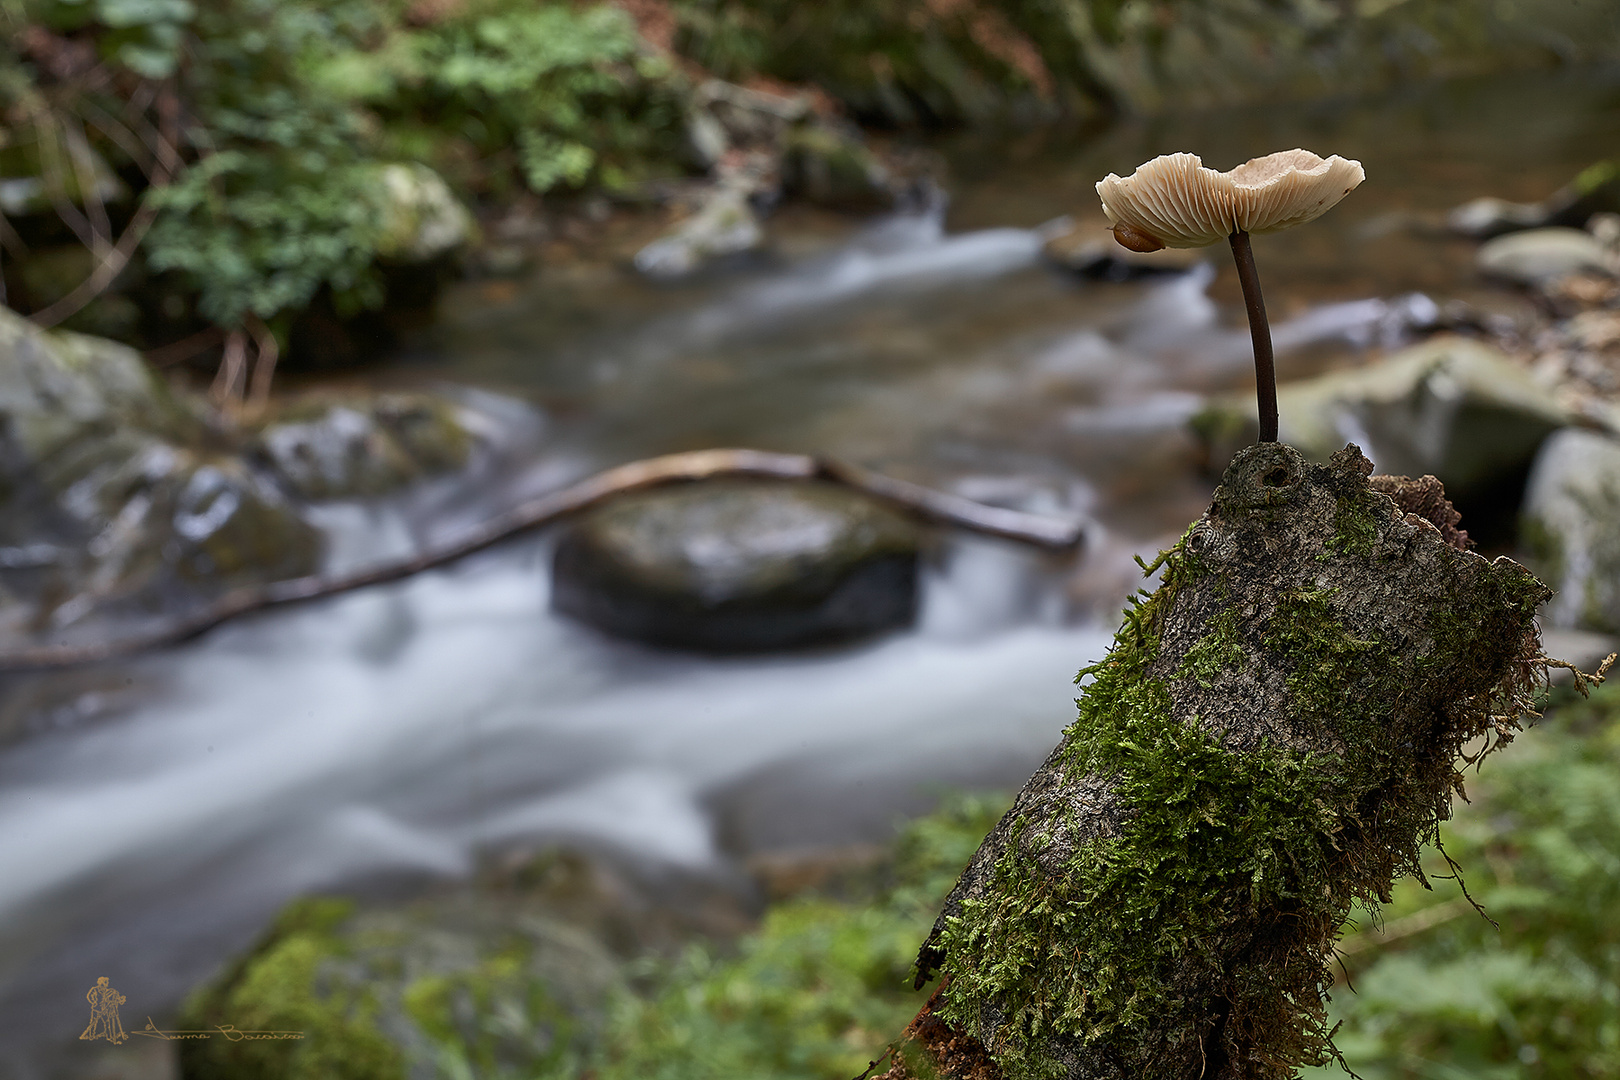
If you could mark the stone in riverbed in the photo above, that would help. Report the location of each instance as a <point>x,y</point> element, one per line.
<point>1570,528</point>
<point>122,497</point>
<point>739,566</point>
<point>1086,247</point>
<point>332,448</point>
<point>1539,256</point>
<point>1451,407</point>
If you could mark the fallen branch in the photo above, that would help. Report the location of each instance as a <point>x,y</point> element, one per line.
<point>105,272</point>
<point>670,468</point>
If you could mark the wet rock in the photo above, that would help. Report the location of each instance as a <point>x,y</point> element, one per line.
<point>757,146</point>
<point>120,495</point>
<point>1450,407</point>
<point>1538,256</point>
<point>739,566</point>
<point>363,446</point>
<point>726,224</point>
<point>1488,217</point>
<point>832,166</point>
<point>1570,529</point>
<point>511,973</point>
<point>1089,249</point>
<point>421,218</point>
<point>1596,190</point>
<point>725,118</point>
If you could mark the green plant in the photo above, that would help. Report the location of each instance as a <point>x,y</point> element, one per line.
<point>818,991</point>
<point>282,986</point>
<point>1437,992</point>
<point>252,132</point>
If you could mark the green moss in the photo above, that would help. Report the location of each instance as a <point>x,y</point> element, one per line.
<point>1209,836</point>
<point>1441,991</point>
<point>1219,650</point>
<point>285,985</point>
<point>1228,870</point>
<point>819,990</point>
<point>1355,527</point>
<point>1323,660</point>
<point>495,1019</point>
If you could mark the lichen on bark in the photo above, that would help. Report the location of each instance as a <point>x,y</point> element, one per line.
<point>1273,738</point>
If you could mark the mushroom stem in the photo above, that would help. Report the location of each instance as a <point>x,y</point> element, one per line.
<point>1265,371</point>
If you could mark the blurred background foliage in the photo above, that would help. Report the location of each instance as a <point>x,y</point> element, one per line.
<point>246,135</point>
<point>1439,992</point>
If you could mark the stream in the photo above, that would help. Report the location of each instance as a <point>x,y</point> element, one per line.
<point>155,813</point>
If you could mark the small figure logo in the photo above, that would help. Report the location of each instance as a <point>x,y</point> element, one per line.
<point>104,1023</point>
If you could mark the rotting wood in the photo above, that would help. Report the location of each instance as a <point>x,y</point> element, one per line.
<point>1275,734</point>
<point>1048,532</point>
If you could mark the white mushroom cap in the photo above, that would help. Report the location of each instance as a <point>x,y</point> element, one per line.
<point>1174,201</point>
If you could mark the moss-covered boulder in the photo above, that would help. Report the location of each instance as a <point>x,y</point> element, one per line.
<point>518,972</point>
<point>290,985</point>
<point>1539,256</point>
<point>1451,407</point>
<point>362,445</point>
<point>420,217</point>
<point>122,497</point>
<point>739,566</point>
<point>1272,739</point>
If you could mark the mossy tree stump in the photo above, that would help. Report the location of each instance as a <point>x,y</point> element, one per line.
<point>1275,734</point>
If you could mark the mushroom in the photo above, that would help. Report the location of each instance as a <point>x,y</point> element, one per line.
<point>1174,201</point>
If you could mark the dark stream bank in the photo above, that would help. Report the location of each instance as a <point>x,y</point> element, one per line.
<point>157,811</point>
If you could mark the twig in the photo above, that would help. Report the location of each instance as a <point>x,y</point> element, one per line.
<point>232,370</point>
<point>185,348</point>
<point>104,275</point>
<point>264,362</point>
<point>1457,876</point>
<point>1403,927</point>
<point>651,472</point>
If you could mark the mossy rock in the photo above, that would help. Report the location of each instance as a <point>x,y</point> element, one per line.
<point>1450,407</point>
<point>124,498</point>
<point>285,985</point>
<point>1570,528</point>
<point>1272,739</point>
<point>325,448</point>
<point>834,167</point>
<point>740,565</point>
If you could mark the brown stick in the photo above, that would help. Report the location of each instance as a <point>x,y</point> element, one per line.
<point>105,272</point>
<point>1265,370</point>
<point>939,506</point>
<point>264,362</point>
<point>185,348</point>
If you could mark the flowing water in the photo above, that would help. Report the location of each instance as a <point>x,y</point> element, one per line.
<point>154,813</point>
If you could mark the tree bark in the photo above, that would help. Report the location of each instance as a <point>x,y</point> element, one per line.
<point>1274,736</point>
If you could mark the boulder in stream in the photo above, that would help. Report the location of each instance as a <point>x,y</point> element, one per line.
<point>1570,528</point>
<point>363,445</point>
<point>739,566</point>
<point>1595,190</point>
<point>1538,256</point>
<point>421,218</point>
<point>1086,246</point>
<point>121,494</point>
<point>1450,407</point>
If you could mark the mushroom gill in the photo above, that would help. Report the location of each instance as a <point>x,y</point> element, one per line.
<point>1175,201</point>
